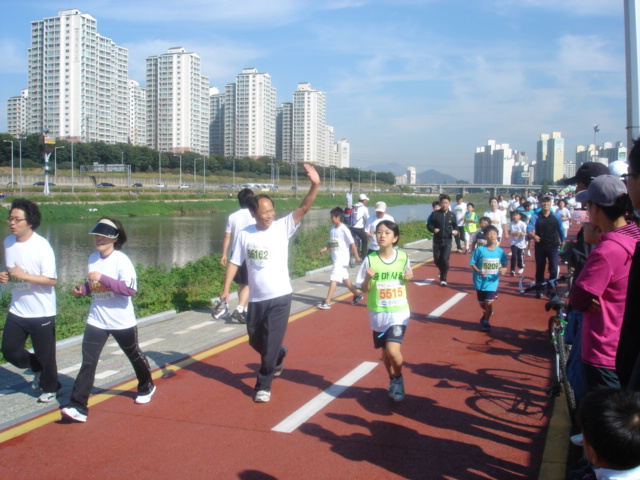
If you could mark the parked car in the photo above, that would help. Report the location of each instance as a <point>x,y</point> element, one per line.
<point>106,185</point>
<point>12,184</point>
<point>137,185</point>
<point>41,184</point>
<point>161,185</point>
<point>184,187</point>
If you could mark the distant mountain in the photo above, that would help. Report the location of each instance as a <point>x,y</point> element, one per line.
<point>430,176</point>
<point>433,176</point>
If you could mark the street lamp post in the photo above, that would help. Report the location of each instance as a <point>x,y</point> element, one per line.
<point>234,174</point>
<point>596,129</point>
<point>11,142</point>
<point>20,138</point>
<point>159,169</point>
<point>180,168</point>
<point>55,163</point>
<point>194,172</point>
<point>72,177</point>
<point>204,173</point>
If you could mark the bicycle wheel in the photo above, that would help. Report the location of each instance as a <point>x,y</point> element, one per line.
<point>563,354</point>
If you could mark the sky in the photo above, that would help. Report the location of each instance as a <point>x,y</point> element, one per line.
<point>418,83</point>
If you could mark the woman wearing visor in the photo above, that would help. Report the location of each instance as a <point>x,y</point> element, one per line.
<point>112,282</point>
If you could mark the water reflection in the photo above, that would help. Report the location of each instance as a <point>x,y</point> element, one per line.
<point>166,240</point>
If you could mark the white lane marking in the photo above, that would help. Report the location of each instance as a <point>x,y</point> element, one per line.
<point>226,329</point>
<point>200,325</point>
<point>143,344</point>
<point>181,332</point>
<point>426,281</point>
<point>316,404</point>
<point>304,290</point>
<point>105,374</point>
<point>446,305</point>
<point>70,369</point>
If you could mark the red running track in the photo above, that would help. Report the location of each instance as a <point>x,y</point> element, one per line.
<point>475,405</point>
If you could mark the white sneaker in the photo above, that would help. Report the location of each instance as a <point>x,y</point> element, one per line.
<point>443,283</point>
<point>262,396</point>
<point>146,398</point>
<point>528,253</point>
<point>73,414</point>
<point>520,271</point>
<point>47,397</point>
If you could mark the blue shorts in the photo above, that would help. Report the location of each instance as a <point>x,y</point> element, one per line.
<point>394,333</point>
<point>484,296</point>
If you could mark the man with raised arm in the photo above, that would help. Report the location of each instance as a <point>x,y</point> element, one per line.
<point>265,248</point>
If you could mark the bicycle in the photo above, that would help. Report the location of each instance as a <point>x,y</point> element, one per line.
<point>556,326</point>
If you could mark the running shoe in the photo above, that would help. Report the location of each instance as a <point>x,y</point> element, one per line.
<point>323,306</point>
<point>238,316</point>
<point>443,283</point>
<point>357,299</point>
<point>73,414</point>
<point>35,383</point>
<point>528,253</point>
<point>398,391</point>
<point>520,271</point>
<point>262,396</point>
<point>392,388</point>
<point>47,397</point>
<point>145,397</point>
<point>486,326</point>
<point>280,364</point>
<point>513,273</point>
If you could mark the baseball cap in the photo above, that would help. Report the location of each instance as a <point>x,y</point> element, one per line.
<point>363,197</point>
<point>547,196</point>
<point>604,190</point>
<point>587,172</point>
<point>381,207</point>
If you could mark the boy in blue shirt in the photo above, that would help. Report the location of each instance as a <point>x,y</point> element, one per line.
<point>488,263</point>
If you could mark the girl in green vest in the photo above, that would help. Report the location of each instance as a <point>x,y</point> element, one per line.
<point>383,275</point>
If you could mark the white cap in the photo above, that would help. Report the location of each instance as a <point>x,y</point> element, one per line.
<point>381,207</point>
<point>363,197</point>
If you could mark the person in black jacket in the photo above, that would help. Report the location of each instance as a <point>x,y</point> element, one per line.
<point>628,355</point>
<point>442,223</point>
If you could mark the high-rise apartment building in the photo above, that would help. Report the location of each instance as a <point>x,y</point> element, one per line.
<point>411,176</point>
<point>555,158</point>
<point>255,115</point>
<point>137,114</point>
<point>77,80</point>
<point>284,132</point>
<point>309,125</point>
<point>17,114</point>
<point>177,103</point>
<point>216,125</point>
<point>541,158</point>
<point>343,152</point>
<point>614,152</point>
<point>330,153</point>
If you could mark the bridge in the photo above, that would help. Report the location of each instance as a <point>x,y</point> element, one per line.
<point>493,189</point>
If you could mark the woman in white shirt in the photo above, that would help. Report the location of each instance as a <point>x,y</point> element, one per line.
<point>111,283</point>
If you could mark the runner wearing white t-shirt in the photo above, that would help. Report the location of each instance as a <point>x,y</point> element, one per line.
<point>340,242</point>
<point>237,222</point>
<point>265,248</point>
<point>498,218</point>
<point>112,281</point>
<point>31,275</point>
<point>372,223</point>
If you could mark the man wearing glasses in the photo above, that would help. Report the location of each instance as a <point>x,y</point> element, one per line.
<point>31,274</point>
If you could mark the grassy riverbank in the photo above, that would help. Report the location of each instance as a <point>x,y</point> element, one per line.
<point>193,285</point>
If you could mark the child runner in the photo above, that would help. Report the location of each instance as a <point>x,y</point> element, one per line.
<point>340,241</point>
<point>519,240</point>
<point>478,238</point>
<point>527,212</point>
<point>470,226</point>
<point>497,216</point>
<point>112,283</point>
<point>565,214</point>
<point>488,263</point>
<point>383,275</point>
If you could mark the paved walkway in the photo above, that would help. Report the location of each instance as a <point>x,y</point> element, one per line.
<point>508,407</point>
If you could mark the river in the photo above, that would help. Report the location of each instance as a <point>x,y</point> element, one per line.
<point>167,240</point>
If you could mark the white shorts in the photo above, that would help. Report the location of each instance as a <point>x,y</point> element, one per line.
<point>338,273</point>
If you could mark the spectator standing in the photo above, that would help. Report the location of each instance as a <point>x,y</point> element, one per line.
<point>460,210</point>
<point>361,215</point>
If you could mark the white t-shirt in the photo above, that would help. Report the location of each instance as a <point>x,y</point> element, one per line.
<point>513,205</point>
<point>362,215</point>
<point>340,240</point>
<point>35,256</point>
<point>503,205</point>
<point>520,227</point>
<point>238,221</point>
<point>371,226</point>
<point>267,255</point>
<point>109,310</point>
<point>460,209</point>
<point>498,218</point>
<point>564,212</point>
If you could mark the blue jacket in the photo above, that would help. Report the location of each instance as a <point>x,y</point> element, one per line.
<point>531,226</point>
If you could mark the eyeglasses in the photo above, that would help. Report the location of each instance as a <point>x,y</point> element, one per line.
<point>15,220</point>
<point>627,175</point>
